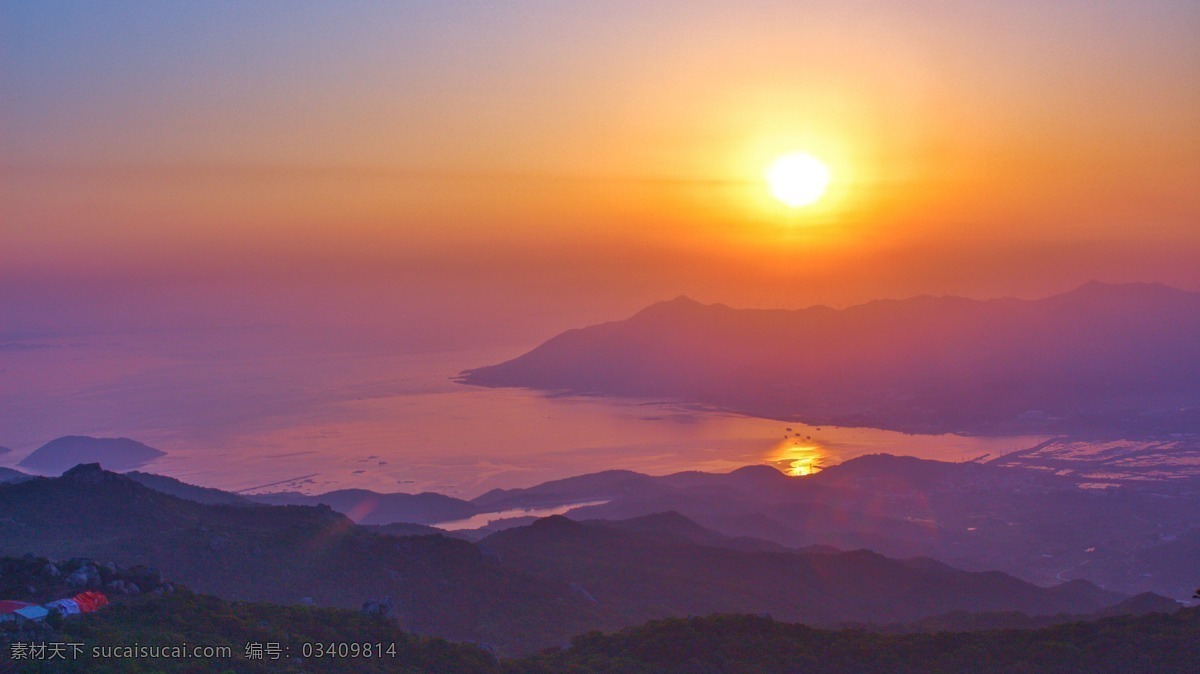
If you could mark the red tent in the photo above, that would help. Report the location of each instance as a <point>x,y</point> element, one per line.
<point>90,601</point>
<point>9,605</point>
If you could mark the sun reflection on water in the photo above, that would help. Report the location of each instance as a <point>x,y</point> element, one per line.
<point>800,457</point>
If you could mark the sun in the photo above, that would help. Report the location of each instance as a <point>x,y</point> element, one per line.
<point>798,179</point>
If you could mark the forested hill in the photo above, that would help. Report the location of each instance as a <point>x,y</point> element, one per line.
<point>743,644</point>
<point>720,644</point>
<point>518,590</point>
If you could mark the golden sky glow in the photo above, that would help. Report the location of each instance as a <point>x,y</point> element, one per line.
<point>492,144</point>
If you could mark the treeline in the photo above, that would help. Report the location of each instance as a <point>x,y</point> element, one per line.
<point>259,638</point>
<point>740,644</point>
<point>726,644</point>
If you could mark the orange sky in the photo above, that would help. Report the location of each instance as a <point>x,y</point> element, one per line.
<point>612,152</point>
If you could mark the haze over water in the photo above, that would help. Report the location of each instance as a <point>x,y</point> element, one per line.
<point>319,421</point>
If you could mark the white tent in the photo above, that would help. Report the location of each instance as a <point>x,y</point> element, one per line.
<point>64,607</point>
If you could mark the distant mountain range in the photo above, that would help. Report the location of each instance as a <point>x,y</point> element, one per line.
<point>1114,360</point>
<point>644,574</point>
<point>1034,524</point>
<point>368,507</point>
<point>523,588</point>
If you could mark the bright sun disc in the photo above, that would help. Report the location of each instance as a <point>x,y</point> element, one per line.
<point>798,179</point>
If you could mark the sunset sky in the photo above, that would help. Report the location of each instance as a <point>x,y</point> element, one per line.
<point>514,168</point>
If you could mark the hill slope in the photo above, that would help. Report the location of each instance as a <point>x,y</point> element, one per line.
<point>1033,524</point>
<point>285,554</point>
<point>1115,359</point>
<point>173,616</point>
<point>643,576</point>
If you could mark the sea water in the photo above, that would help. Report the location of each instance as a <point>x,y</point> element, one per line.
<point>318,420</point>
